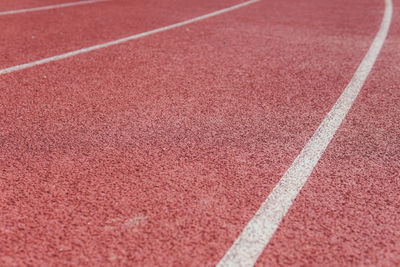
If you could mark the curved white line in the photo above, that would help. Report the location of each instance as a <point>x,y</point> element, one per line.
<point>259,230</point>
<point>122,40</point>
<point>25,10</point>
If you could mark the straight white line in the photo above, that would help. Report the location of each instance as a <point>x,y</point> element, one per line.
<point>11,12</point>
<point>122,40</point>
<point>259,230</point>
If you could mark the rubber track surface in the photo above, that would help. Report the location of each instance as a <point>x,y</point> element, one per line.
<point>56,31</point>
<point>21,4</point>
<point>158,151</point>
<point>348,213</point>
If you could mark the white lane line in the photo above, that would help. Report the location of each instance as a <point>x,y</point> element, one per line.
<point>259,230</point>
<point>11,12</point>
<point>122,40</point>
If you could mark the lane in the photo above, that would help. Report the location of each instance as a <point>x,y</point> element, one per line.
<point>42,7</point>
<point>257,233</point>
<point>159,151</point>
<point>125,39</point>
<point>32,36</point>
<point>348,212</point>
<point>20,4</point>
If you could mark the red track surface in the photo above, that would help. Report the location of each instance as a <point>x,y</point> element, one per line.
<point>160,150</point>
<point>7,5</point>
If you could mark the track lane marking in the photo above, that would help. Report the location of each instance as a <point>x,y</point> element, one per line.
<point>122,40</point>
<point>33,9</point>
<point>259,230</point>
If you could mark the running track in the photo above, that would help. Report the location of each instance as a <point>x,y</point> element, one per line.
<point>160,150</point>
